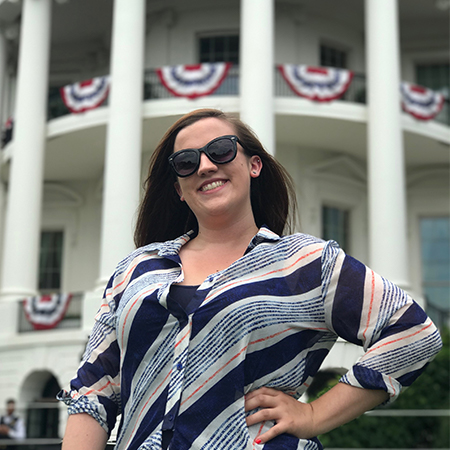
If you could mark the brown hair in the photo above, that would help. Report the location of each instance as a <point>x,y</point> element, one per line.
<point>162,216</point>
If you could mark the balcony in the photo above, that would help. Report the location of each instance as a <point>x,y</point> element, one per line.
<point>72,318</point>
<point>153,89</point>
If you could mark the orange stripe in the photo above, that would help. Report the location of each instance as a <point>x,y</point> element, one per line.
<point>247,280</point>
<point>259,432</point>
<point>269,337</point>
<point>129,311</point>
<point>399,339</point>
<point>101,389</point>
<point>127,275</point>
<point>146,403</point>
<point>213,375</point>
<point>182,339</point>
<point>393,388</point>
<point>229,361</point>
<point>370,306</point>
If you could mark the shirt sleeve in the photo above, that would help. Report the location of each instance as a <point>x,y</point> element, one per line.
<point>362,307</point>
<point>18,431</point>
<point>96,388</point>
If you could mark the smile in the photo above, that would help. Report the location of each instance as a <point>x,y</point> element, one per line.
<point>213,185</point>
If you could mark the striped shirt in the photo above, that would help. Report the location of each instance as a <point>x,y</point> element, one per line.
<point>269,319</point>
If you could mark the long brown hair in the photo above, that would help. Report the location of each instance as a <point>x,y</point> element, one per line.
<point>162,216</point>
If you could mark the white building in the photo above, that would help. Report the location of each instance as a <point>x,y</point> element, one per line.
<point>371,176</point>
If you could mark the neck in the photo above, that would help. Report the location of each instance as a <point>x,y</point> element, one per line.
<point>226,234</point>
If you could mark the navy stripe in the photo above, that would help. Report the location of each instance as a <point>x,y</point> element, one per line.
<point>348,300</point>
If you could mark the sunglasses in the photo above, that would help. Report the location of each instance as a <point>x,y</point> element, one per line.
<point>220,150</point>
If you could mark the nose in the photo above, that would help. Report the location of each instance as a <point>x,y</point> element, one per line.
<point>206,165</point>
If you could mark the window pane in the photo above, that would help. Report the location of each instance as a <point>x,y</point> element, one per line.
<point>332,57</point>
<point>50,260</point>
<point>434,76</point>
<point>435,243</point>
<point>219,48</point>
<point>335,226</point>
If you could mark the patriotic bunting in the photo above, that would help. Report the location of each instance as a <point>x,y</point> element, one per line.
<point>321,84</point>
<point>45,312</point>
<point>193,81</point>
<point>420,102</point>
<point>86,95</point>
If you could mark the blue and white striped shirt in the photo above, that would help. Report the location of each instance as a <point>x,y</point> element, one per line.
<point>269,319</point>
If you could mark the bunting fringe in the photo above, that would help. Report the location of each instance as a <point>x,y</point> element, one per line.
<point>321,84</point>
<point>46,311</point>
<point>422,103</point>
<point>86,95</point>
<point>193,81</point>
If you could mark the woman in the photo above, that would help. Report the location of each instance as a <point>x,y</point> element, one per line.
<point>207,340</point>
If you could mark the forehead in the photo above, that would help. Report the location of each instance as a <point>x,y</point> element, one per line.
<point>200,133</point>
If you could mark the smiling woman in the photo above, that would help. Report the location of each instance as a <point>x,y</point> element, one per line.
<point>212,329</point>
<point>162,216</point>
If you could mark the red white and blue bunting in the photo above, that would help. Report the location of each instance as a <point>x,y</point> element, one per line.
<point>193,81</point>
<point>85,95</point>
<point>422,103</point>
<point>46,311</point>
<point>321,84</point>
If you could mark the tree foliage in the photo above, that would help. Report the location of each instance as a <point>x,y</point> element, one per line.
<point>429,391</point>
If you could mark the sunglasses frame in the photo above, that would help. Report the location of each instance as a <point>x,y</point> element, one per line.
<point>234,139</point>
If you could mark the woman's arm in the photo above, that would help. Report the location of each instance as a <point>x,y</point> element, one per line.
<point>339,405</point>
<point>82,432</point>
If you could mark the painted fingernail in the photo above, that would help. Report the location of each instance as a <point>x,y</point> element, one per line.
<point>258,441</point>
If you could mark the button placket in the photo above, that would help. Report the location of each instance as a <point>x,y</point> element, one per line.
<point>178,367</point>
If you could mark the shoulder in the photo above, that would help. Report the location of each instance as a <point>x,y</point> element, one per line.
<point>295,249</point>
<point>155,250</point>
<point>151,257</point>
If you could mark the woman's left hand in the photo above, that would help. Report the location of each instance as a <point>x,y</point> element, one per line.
<point>290,416</point>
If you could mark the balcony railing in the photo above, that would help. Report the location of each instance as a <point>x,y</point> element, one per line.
<point>153,89</point>
<point>71,320</point>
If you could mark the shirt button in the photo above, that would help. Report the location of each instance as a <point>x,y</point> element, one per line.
<point>179,366</point>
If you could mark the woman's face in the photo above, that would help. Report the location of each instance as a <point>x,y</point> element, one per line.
<point>216,191</point>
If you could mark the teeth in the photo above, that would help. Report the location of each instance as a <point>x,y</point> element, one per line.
<point>208,187</point>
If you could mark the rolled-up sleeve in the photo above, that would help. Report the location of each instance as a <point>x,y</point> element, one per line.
<point>362,307</point>
<point>96,388</point>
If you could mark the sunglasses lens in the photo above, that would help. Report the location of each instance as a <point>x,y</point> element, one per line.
<point>185,163</point>
<point>222,150</point>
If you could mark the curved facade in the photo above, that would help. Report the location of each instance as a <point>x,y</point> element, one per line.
<point>367,174</point>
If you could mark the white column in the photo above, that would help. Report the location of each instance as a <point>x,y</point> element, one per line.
<point>3,73</point>
<point>257,69</point>
<point>124,136</point>
<point>23,218</point>
<point>387,189</point>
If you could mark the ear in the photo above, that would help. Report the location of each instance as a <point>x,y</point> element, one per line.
<point>255,166</point>
<point>179,191</point>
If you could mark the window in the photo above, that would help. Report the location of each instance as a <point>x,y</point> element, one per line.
<point>43,413</point>
<point>332,57</point>
<point>50,261</point>
<point>219,49</point>
<point>335,226</point>
<point>434,76</point>
<point>435,240</point>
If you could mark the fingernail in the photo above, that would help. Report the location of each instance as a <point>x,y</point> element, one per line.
<point>258,441</point>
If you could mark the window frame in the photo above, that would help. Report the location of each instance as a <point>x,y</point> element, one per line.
<point>217,34</point>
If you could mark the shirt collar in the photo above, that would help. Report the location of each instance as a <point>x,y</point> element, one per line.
<point>172,248</point>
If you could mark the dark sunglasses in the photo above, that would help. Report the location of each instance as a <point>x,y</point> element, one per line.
<point>220,150</point>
